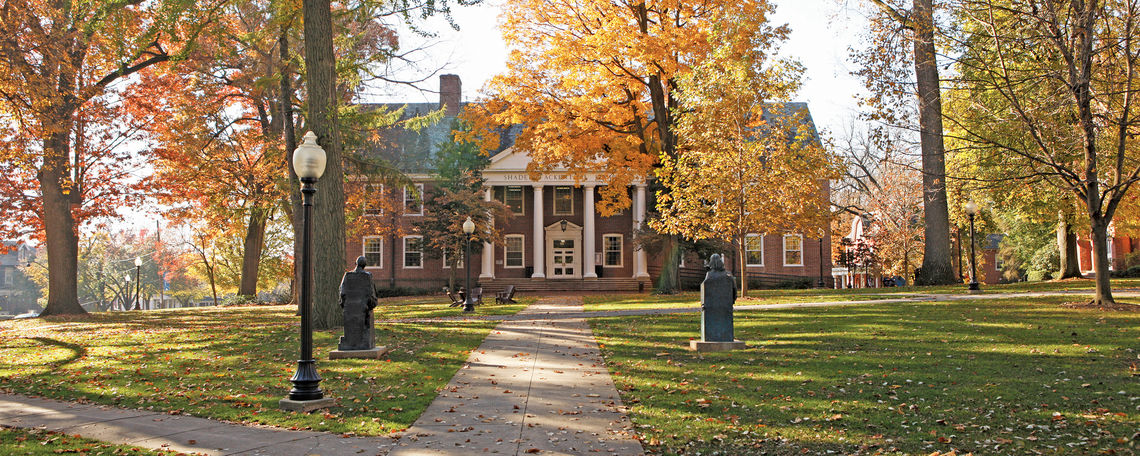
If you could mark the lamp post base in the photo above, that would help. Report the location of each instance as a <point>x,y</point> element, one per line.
<point>306,406</point>
<point>306,382</point>
<point>975,288</point>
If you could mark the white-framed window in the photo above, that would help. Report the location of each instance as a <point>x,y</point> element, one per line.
<point>754,250</point>
<point>373,200</point>
<point>447,259</point>
<point>612,251</point>
<point>374,251</point>
<point>563,200</point>
<point>513,250</point>
<point>512,196</point>
<point>413,252</point>
<point>793,250</point>
<point>414,200</point>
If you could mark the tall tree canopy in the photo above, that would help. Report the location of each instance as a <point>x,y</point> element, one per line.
<point>899,68</point>
<point>59,60</point>
<point>1050,88</point>
<point>595,82</point>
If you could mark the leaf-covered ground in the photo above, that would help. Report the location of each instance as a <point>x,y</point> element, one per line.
<point>769,296</point>
<point>234,363</point>
<point>1013,376</point>
<point>15,441</point>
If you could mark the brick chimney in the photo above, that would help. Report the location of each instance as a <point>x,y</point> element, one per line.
<point>450,93</point>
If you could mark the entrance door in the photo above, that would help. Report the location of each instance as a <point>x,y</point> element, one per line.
<point>564,258</point>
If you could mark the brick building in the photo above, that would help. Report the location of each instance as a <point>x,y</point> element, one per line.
<point>555,240</point>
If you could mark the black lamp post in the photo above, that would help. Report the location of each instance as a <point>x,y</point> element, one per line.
<point>821,284</point>
<point>971,211</point>
<point>468,302</point>
<point>138,269</point>
<point>309,163</point>
<point>127,292</point>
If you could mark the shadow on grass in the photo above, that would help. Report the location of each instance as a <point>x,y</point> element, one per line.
<point>235,366</point>
<point>919,378</point>
<point>77,351</point>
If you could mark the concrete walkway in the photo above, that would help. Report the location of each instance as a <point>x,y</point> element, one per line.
<point>180,433</point>
<point>535,385</point>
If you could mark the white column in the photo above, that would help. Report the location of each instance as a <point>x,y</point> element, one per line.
<point>588,231</point>
<point>539,244</point>
<point>488,269</point>
<point>640,268</point>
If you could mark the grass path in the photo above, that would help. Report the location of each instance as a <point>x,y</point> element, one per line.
<point>234,363</point>
<point>1001,377</point>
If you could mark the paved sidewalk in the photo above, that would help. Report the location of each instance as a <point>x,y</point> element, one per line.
<point>572,312</point>
<point>181,433</point>
<point>533,386</point>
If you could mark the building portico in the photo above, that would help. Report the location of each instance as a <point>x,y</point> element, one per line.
<point>558,221</point>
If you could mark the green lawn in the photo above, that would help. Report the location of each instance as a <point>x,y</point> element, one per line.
<point>15,441</point>
<point>1015,376</point>
<point>234,363</point>
<point>769,296</point>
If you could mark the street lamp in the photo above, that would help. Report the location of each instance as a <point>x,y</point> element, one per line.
<point>127,291</point>
<point>138,268</point>
<point>468,228</point>
<point>309,163</point>
<point>820,283</point>
<point>971,211</point>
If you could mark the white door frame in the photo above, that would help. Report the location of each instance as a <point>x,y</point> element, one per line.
<point>555,232</point>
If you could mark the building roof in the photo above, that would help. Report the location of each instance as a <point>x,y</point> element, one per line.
<point>992,241</point>
<point>415,151</point>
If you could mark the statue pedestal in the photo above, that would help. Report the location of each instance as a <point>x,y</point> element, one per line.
<point>703,347</point>
<point>374,353</point>
<point>306,406</point>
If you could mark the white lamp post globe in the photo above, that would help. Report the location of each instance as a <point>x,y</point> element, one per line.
<point>971,208</point>
<point>309,158</point>
<point>127,278</point>
<point>138,261</point>
<point>468,226</point>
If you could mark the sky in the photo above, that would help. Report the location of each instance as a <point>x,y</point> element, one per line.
<point>822,31</point>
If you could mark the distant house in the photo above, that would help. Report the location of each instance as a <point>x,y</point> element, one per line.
<point>1119,249</point>
<point>17,293</point>
<point>990,262</point>
<point>556,240</point>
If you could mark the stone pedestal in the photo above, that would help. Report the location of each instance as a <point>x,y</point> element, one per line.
<point>374,353</point>
<point>703,347</point>
<point>306,406</point>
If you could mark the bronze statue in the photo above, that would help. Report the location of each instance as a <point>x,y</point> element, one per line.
<point>718,293</point>
<point>357,299</point>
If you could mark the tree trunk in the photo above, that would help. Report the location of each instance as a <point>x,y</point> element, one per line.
<point>936,264</point>
<point>251,252</point>
<point>392,257</point>
<point>1067,246</point>
<point>328,204</point>
<point>1100,262</point>
<point>740,260</point>
<point>61,238</point>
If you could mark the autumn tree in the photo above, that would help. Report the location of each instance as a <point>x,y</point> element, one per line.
<point>60,62</point>
<point>1051,87</point>
<point>595,84</point>
<point>745,164</point>
<point>900,66</point>
<point>896,205</point>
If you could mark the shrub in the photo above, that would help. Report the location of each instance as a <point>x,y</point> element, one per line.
<point>404,291</point>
